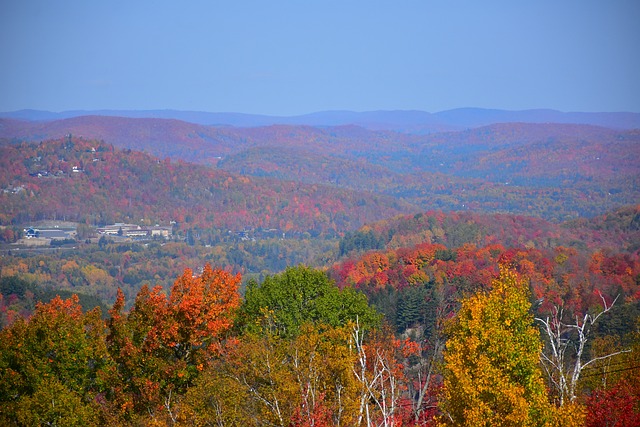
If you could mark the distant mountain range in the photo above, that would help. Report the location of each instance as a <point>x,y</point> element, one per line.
<point>407,121</point>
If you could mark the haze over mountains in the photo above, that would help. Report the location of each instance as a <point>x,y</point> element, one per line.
<point>398,120</point>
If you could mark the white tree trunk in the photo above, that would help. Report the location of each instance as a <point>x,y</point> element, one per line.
<point>562,369</point>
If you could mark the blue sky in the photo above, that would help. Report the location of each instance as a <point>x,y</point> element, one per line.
<point>294,57</point>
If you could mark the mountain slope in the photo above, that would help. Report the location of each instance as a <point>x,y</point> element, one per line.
<point>90,181</point>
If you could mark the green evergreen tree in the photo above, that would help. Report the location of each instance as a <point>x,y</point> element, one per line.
<point>412,307</point>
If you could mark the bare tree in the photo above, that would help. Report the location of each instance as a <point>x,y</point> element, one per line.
<point>425,379</point>
<point>563,355</point>
<point>377,373</point>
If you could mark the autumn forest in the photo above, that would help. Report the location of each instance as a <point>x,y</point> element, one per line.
<point>158,272</point>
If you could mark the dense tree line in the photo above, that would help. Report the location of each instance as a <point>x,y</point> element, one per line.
<point>608,244</point>
<point>297,351</point>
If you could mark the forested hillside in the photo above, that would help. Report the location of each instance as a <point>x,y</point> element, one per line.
<point>461,333</point>
<point>401,263</point>
<point>92,182</point>
<point>261,224</point>
<point>320,276</point>
<point>555,171</point>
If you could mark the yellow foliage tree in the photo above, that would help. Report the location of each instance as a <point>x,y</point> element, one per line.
<point>270,380</point>
<point>492,375</point>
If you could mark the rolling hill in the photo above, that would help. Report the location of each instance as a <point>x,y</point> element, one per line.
<point>90,181</point>
<point>556,171</point>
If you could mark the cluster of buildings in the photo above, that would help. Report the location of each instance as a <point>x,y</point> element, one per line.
<point>135,231</point>
<point>44,235</point>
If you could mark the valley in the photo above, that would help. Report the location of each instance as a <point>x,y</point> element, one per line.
<point>257,199</point>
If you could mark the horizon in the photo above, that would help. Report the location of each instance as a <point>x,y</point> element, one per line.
<point>309,113</point>
<point>285,59</point>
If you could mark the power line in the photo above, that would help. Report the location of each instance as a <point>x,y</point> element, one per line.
<point>596,366</point>
<point>612,372</point>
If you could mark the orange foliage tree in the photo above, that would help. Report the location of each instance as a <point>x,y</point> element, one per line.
<point>163,343</point>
